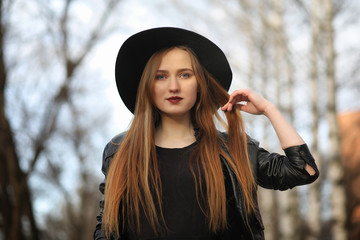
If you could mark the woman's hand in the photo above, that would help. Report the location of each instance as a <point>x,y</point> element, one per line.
<point>254,103</point>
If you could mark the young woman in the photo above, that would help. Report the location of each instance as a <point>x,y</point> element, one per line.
<point>173,175</point>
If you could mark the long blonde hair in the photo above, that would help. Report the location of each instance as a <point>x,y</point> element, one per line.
<point>133,183</point>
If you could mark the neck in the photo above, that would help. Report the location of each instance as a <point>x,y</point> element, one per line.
<point>174,132</point>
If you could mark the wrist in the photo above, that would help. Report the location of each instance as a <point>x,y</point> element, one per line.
<point>270,109</point>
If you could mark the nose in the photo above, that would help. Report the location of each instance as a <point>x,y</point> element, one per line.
<point>174,85</point>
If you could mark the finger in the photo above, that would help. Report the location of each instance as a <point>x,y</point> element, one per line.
<point>242,107</point>
<point>233,95</point>
<point>238,96</point>
<point>224,107</point>
<point>227,107</point>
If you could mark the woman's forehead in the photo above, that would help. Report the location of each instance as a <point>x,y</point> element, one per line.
<point>176,58</point>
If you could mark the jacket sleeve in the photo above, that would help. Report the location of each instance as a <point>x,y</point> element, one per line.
<point>281,172</point>
<point>108,154</point>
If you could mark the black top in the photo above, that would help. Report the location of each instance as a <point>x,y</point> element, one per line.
<point>271,170</point>
<point>182,213</point>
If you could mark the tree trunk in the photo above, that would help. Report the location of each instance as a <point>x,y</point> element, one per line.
<point>315,188</point>
<point>268,199</point>
<point>15,200</point>
<point>336,172</point>
<point>290,221</point>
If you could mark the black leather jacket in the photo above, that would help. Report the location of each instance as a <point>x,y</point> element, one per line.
<point>271,170</point>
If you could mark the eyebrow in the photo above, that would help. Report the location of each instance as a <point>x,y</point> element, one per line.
<point>179,70</point>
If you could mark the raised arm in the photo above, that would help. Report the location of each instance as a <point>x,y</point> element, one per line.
<point>250,102</point>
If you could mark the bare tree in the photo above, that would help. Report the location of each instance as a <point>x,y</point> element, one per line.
<point>290,220</point>
<point>314,192</point>
<point>264,48</point>
<point>336,173</point>
<point>15,198</point>
<point>17,219</point>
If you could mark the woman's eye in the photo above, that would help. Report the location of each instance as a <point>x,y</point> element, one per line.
<point>185,75</point>
<point>160,76</point>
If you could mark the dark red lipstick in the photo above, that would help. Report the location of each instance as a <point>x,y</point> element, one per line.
<point>174,99</point>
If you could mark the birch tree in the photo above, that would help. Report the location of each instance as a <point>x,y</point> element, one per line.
<point>315,188</point>
<point>336,173</point>
<point>290,220</point>
<point>267,198</point>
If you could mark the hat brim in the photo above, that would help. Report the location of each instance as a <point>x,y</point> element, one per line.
<point>137,50</point>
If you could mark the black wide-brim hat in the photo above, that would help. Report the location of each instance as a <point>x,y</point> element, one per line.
<point>137,50</point>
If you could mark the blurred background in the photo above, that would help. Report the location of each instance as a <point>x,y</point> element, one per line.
<point>59,105</point>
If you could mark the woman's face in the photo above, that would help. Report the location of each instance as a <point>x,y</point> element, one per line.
<point>175,85</point>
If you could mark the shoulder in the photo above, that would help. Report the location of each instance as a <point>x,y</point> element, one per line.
<point>110,149</point>
<point>117,140</point>
<point>113,145</point>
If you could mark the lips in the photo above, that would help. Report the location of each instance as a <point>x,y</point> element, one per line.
<point>174,99</point>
